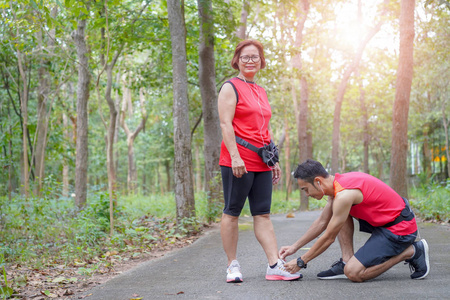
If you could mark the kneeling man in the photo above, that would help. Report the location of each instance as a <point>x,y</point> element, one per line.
<point>380,211</point>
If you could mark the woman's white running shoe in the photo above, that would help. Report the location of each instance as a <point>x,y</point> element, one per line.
<point>234,272</point>
<point>280,272</point>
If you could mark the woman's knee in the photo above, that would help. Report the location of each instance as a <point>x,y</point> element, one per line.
<point>229,218</point>
<point>262,217</point>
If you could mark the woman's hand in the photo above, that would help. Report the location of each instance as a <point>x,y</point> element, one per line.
<point>238,167</point>
<point>276,174</point>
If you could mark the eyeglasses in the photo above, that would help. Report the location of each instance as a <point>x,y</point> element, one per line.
<point>245,58</point>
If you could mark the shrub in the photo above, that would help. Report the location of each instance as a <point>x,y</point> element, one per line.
<point>432,201</point>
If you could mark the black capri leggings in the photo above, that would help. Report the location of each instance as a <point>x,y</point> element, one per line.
<point>257,186</point>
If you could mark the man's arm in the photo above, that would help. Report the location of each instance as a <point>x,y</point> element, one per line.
<point>342,204</point>
<point>316,228</point>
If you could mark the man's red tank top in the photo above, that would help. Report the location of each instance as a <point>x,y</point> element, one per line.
<point>251,121</point>
<point>380,205</point>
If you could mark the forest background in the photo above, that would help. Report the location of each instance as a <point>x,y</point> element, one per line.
<point>109,130</point>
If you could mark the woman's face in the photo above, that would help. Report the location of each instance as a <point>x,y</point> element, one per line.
<point>250,68</point>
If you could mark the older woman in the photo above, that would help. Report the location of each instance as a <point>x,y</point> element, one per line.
<point>245,112</point>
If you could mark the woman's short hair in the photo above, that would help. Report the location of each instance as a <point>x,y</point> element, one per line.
<point>245,43</point>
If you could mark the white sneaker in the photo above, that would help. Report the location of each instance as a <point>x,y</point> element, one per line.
<point>234,272</point>
<point>280,272</point>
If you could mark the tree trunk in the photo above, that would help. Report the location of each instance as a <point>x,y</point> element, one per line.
<point>340,97</point>
<point>116,152</point>
<point>399,144</point>
<point>302,118</point>
<point>184,187</point>
<point>23,96</point>
<point>380,162</point>
<point>24,112</point>
<point>197,170</point>
<point>10,165</point>
<point>69,135</point>
<point>242,30</point>
<point>207,81</point>
<point>285,143</point>
<point>82,115</point>
<point>446,122</point>
<point>110,167</point>
<point>132,174</point>
<point>41,123</point>
<point>65,171</point>
<point>131,136</point>
<point>111,129</point>
<point>159,179</point>
<point>42,116</point>
<point>362,101</point>
<point>287,159</point>
<point>169,177</point>
<point>426,165</point>
<point>364,123</point>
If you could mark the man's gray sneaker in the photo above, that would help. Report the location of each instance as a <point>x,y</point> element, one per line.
<point>420,262</point>
<point>335,272</point>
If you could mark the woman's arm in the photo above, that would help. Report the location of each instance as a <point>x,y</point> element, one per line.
<point>227,107</point>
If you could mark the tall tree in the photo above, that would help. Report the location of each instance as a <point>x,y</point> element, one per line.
<point>184,187</point>
<point>23,97</point>
<point>446,122</point>
<point>207,81</point>
<point>84,79</point>
<point>302,122</point>
<point>131,135</point>
<point>343,86</point>
<point>405,70</point>
<point>364,123</point>
<point>43,96</point>
<point>362,101</point>
<point>242,30</point>
<point>109,65</point>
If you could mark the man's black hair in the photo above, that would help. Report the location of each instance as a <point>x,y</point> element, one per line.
<point>309,170</point>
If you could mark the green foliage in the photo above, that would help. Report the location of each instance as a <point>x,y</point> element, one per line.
<point>432,202</point>
<point>157,205</point>
<point>5,290</point>
<point>50,221</point>
<point>40,231</point>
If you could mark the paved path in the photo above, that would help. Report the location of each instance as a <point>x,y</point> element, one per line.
<point>198,271</point>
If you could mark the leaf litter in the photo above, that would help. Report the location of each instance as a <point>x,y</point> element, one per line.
<point>74,280</point>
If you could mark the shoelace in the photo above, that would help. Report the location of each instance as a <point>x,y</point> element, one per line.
<point>234,268</point>
<point>281,266</point>
<point>412,268</point>
<point>336,263</point>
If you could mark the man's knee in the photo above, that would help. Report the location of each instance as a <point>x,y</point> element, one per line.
<point>353,275</point>
<point>354,270</point>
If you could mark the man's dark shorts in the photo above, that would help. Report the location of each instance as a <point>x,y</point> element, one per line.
<point>382,245</point>
<point>257,186</point>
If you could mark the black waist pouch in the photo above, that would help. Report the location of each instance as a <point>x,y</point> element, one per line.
<point>268,153</point>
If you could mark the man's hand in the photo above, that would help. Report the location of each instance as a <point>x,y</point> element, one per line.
<point>286,251</point>
<point>291,266</point>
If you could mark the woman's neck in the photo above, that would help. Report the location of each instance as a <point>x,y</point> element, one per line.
<point>245,78</point>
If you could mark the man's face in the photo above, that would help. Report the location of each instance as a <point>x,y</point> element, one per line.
<point>310,190</point>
